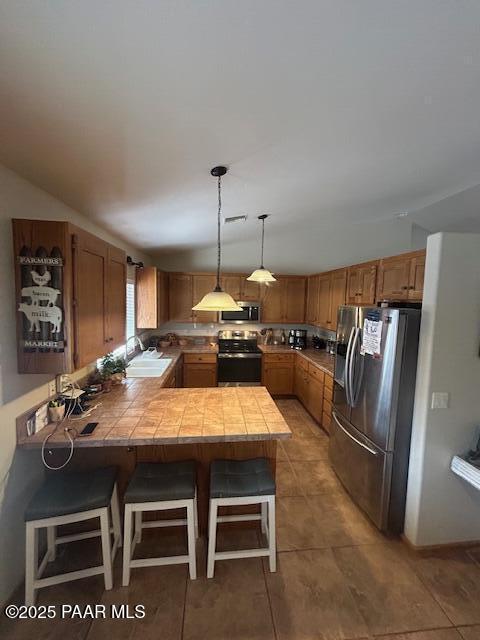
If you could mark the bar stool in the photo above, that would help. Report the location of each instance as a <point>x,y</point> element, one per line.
<point>241,482</point>
<point>63,499</point>
<point>159,487</point>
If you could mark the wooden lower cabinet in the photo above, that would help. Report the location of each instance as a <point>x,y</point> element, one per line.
<point>313,387</point>
<point>278,372</point>
<point>200,370</point>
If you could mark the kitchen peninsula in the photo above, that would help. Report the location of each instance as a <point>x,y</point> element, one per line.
<point>141,421</point>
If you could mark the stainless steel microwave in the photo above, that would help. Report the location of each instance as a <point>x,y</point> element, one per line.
<point>250,313</point>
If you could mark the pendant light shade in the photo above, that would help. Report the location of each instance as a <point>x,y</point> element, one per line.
<point>262,275</point>
<point>218,300</point>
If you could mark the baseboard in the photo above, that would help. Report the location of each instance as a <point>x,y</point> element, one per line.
<point>439,547</point>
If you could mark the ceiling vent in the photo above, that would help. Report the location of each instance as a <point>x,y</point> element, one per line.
<point>234,219</point>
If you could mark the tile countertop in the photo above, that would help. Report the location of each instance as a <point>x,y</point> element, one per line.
<point>140,412</point>
<point>318,357</point>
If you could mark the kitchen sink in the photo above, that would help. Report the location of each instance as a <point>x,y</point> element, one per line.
<point>146,366</point>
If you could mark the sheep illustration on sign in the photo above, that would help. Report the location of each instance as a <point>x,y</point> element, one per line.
<point>37,313</point>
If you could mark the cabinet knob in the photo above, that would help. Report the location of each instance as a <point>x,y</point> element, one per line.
<point>404,288</point>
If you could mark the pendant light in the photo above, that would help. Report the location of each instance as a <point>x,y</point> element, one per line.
<point>218,300</point>
<point>262,275</point>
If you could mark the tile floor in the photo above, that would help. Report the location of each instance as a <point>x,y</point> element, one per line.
<point>337,576</point>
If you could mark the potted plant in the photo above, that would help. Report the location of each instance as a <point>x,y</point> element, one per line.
<point>119,368</point>
<point>107,369</point>
<point>56,410</point>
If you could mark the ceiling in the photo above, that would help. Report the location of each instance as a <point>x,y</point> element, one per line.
<point>332,116</point>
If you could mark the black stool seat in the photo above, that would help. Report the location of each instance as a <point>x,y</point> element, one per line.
<point>72,492</point>
<point>240,478</point>
<point>162,481</point>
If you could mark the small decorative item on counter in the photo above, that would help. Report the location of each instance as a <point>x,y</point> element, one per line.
<point>172,338</point>
<point>183,342</point>
<point>283,337</point>
<point>56,410</point>
<point>164,342</point>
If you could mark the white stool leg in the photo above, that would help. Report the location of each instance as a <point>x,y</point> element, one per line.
<point>264,507</point>
<point>212,537</point>
<point>272,556</point>
<point>52,548</point>
<point>115,509</point>
<point>106,549</point>
<point>31,562</point>
<point>192,560</point>
<point>138,526</point>
<point>195,514</point>
<point>127,543</point>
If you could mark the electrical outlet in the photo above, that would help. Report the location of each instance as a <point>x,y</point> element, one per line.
<point>440,400</point>
<point>52,388</point>
<point>62,383</point>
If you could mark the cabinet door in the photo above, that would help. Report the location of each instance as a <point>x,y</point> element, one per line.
<point>417,274</point>
<point>353,285</point>
<point>90,278</point>
<point>324,301</point>
<point>278,379</point>
<point>312,300</point>
<point>315,398</point>
<point>116,303</point>
<point>337,296</point>
<point>199,375</point>
<point>146,291</point>
<point>180,297</point>
<point>162,298</point>
<point>249,291</point>
<point>272,306</point>
<point>203,284</point>
<point>301,385</point>
<point>232,285</point>
<point>368,281</point>
<point>294,300</point>
<point>393,279</point>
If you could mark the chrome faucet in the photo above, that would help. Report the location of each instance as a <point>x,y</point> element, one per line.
<point>140,344</point>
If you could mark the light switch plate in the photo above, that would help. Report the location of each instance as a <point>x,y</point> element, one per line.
<point>440,399</point>
<point>52,388</point>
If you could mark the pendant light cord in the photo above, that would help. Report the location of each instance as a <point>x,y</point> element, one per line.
<point>219,249</point>
<point>263,240</point>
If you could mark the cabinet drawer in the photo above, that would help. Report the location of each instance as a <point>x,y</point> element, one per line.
<point>316,373</point>
<point>327,391</point>
<point>283,358</point>
<point>191,358</point>
<point>301,362</point>
<point>328,381</point>
<point>327,406</point>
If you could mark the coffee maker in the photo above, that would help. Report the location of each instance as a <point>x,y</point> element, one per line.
<point>297,339</point>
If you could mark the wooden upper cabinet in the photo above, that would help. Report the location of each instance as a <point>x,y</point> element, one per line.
<point>311,314</point>
<point>324,300</point>
<point>116,294</point>
<point>180,297</point>
<point>417,275</point>
<point>361,283</point>
<point>294,300</point>
<point>249,291</point>
<point>284,300</point>
<point>337,295</point>
<point>146,298</point>
<point>232,285</point>
<point>90,255</point>
<point>272,304</point>
<point>203,284</point>
<point>401,277</point>
<point>162,298</point>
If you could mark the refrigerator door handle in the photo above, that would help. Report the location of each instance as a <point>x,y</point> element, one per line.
<point>351,362</point>
<point>361,444</point>
<point>357,372</point>
<point>347,365</point>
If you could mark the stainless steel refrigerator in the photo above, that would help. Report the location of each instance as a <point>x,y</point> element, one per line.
<point>375,368</point>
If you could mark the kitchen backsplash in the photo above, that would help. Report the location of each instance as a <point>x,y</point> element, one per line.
<point>212,329</point>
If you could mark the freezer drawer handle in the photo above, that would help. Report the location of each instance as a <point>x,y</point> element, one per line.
<point>372,451</point>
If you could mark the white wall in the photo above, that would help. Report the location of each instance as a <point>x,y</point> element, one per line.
<point>20,471</point>
<point>441,507</point>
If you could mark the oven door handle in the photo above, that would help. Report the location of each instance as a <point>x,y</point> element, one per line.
<point>239,355</point>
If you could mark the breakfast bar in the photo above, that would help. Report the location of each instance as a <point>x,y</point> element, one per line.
<point>140,421</point>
